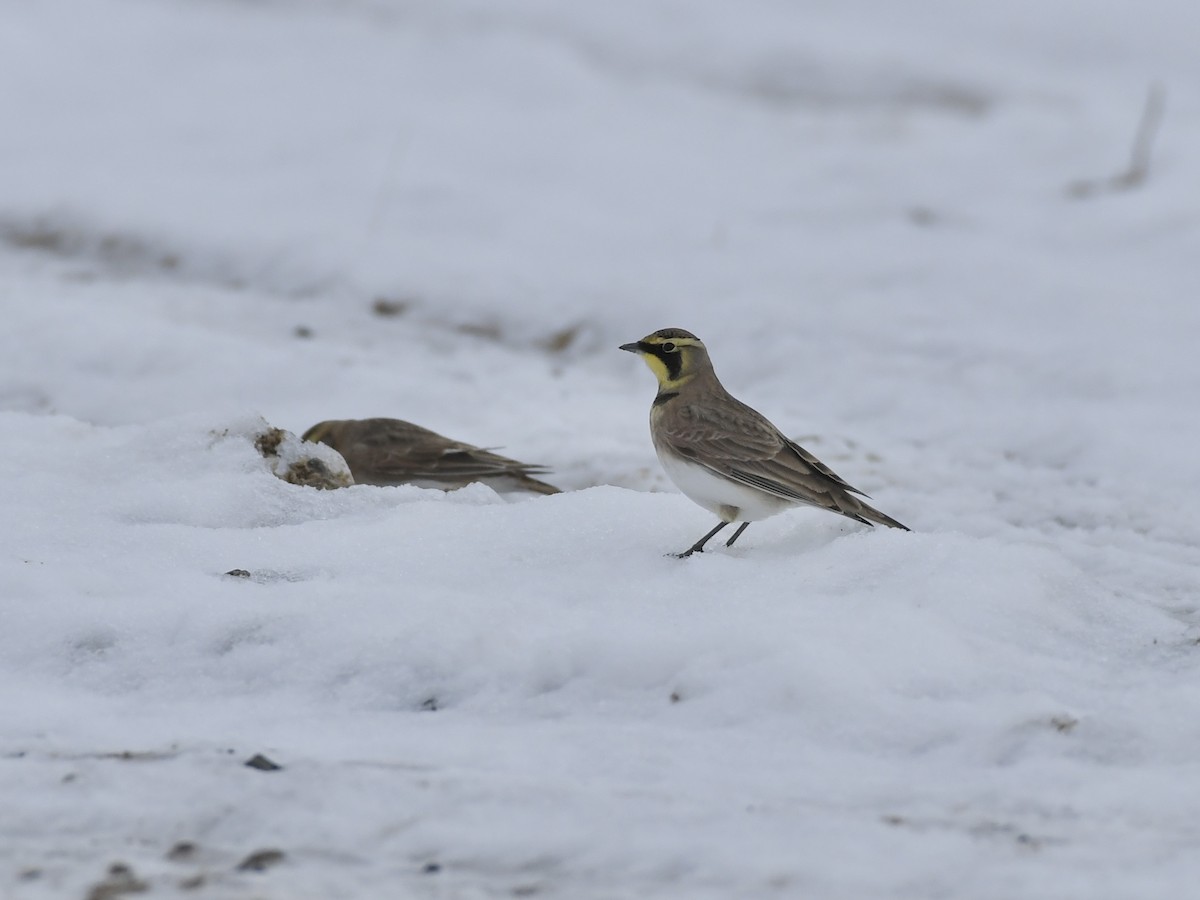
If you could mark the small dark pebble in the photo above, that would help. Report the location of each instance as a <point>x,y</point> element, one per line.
<point>182,851</point>
<point>302,331</point>
<point>675,696</point>
<point>238,573</point>
<point>260,762</point>
<point>1064,724</point>
<point>388,308</point>
<point>69,777</point>
<point>29,874</point>
<point>431,868</point>
<point>261,860</point>
<point>430,705</point>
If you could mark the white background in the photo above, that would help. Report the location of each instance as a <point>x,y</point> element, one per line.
<point>864,210</point>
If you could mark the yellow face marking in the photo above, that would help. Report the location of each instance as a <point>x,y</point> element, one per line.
<point>658,367</point>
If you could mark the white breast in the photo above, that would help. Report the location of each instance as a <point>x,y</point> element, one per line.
<point>728,500</point>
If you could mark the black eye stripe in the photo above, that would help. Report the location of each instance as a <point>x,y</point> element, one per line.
<point>671,359</point>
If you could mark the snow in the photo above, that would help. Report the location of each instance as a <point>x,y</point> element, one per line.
<point>218,213</point>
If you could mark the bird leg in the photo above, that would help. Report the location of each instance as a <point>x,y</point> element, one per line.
<point>698,547</point>
<point>737,534</point>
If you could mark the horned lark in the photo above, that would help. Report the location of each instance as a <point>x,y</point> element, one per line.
<point>390,452</point>
<point>724,455</point>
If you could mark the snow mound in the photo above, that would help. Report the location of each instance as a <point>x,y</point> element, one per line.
<point>301,462</point>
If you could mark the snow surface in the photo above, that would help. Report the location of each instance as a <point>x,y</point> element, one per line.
<point>212,212</point>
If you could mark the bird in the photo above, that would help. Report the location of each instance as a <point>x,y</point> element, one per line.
<point>391,451</point>
<point>724,455</point>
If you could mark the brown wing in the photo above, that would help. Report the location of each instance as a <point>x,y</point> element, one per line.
<point>734,435</point>
<point>398,451</point>
<point>810,460</point>
<point>736,441</point>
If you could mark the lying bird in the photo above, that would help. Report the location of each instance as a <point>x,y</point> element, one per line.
<point>726,456</point>
<point>390,452</point>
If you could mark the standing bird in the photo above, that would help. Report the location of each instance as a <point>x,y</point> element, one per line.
<point>390,452</point>
<point>726,456</point>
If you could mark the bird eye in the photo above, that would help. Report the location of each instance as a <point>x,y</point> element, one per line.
<point>668,347</point>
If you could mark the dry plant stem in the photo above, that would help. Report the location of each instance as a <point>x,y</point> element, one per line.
<point>1139,158</point>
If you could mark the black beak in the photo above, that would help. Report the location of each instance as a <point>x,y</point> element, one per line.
<point>635,347</point>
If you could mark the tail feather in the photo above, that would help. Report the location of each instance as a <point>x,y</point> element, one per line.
<point>538,487</point>
<point>869,514</point>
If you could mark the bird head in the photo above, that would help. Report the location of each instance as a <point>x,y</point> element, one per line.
<point>674,356</point>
